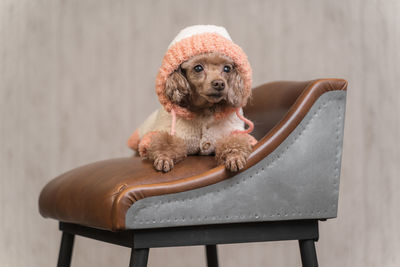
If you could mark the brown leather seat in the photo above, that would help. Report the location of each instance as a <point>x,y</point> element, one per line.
<point>99,194</point>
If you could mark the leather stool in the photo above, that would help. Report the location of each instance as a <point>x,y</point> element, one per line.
<point>291,182</point>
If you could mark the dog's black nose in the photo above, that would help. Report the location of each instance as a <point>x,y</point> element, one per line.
<point>218,85</point>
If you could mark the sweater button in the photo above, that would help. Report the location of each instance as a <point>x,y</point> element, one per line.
<point>206,146</point>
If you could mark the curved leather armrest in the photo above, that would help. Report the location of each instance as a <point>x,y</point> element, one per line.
<point>307,97</point>
<point>100,194</point>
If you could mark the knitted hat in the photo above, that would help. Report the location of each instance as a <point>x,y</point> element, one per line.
<point>192,41</point>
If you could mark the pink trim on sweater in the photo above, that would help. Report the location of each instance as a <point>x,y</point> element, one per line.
<point>173,122</point>
<point>251,139</point>
<point>145,143</point>
<point>247,121</point>
<point>133,141</point>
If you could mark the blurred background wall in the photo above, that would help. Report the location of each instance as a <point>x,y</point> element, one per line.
<point>77,77</point>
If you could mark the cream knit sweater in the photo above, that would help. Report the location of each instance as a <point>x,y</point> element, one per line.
<point>200,133</point>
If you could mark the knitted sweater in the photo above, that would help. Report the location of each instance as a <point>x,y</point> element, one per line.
<point>200,133</point>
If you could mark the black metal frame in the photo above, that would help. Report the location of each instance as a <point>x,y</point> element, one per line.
<point>141,240</point>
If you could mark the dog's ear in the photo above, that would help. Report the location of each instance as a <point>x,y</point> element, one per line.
<point>177,88</point>
<point>236,93</point>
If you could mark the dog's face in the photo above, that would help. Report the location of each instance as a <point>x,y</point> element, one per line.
<point>205,82</point>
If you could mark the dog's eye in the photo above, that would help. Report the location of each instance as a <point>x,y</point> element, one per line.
<point>227,68</point>
<point>198,68</point>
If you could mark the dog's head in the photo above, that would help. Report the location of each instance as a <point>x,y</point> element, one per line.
<point>206,82</point>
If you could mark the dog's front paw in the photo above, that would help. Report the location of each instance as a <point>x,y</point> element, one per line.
<point>163,163</point>
<point>235,162</point>
<point>233,151</point>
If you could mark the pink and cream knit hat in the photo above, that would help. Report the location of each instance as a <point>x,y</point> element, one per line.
<point>192,41</point>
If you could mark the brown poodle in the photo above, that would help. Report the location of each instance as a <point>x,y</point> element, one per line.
<point>204,84</point>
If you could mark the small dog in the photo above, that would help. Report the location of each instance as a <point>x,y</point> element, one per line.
<point>202,97</point>
<point>204,84</point>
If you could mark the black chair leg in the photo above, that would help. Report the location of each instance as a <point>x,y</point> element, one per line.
<point>308,253</point>
<point>212,256</point>
<point>65,255</point>
<point>139,257</point>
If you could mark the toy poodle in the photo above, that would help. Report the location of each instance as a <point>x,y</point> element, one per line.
<point>203,83</point>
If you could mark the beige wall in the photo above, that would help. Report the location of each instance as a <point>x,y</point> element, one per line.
<point>76,77</point>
